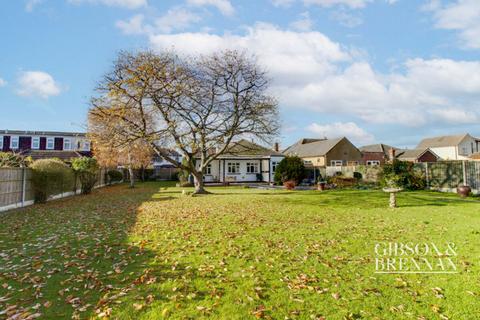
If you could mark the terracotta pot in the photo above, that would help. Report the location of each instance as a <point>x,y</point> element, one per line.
<point>289,185</point>
<point>463,191</point>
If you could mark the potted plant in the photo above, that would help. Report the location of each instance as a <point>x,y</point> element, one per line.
<point>464,191</point>
<point>289,184</point>
<point>321,185</point>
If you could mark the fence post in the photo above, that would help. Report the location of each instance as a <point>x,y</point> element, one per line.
<point>464,173</point>
<point>427,177</point>
<point>24,185</point>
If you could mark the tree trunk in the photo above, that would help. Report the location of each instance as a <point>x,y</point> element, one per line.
<point>132,177</point>
<point>198,183</point>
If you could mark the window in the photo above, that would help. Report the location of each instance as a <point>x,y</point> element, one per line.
<point>1,143</point>
<point>35,142</point>
<point>67,144</point>
<point>233,167</point>
<point>208,169</point>
<point>252,167</point>
<point>86,145</point>
<point>274,166</point>
<point>373,163</point>
<point>352,163</point>
<point>472,148</point>
<point>14,143</point>
<point>50,143</point>
<point>336,163</point>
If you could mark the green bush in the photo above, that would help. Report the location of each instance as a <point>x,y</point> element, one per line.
<point>115,175</point>
<point>400,174</point>
<point>50,177</point>
<point>86,170</point>
<point>290,169</point>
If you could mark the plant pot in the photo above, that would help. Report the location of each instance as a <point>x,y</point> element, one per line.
<point>321,186</point>
<point>463,191</point>
<point>289,185</point>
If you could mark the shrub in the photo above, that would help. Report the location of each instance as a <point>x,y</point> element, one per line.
<point>290,169</point>
<point>86,169</point>
<point>50,177</point>
<point>400,174</point>
<point>115,175</point>
<point>14,160</point>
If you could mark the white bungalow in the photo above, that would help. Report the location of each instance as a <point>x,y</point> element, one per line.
<point>244,161</point>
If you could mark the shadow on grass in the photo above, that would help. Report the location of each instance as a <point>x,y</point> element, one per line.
<point>77,257</point>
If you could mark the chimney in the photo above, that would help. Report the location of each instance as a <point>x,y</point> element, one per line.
<point>276,147</point>
<point>391,154</point>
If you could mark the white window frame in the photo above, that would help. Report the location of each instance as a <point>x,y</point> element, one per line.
<point>233,167</point>
<point>335,163</point>
<point>35,143</point>
<point>86,145</point>
<point>52,140</point>
<point>274,165</point>
<point>373,162</point>
<point>208,169</point>
<point>1,143</point>
<point>65,144</point>
<point>12,139</point>
<point>254,166</point>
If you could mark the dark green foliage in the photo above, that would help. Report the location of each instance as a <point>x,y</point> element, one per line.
<point>290,169</point>
<point>86,170</point>
<point>115,175</point>
<point>13,160</point>
<point>401,174</point>
<point>50,177</point>
<point>357,175</point>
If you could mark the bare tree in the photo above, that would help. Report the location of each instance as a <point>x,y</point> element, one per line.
<point>198,106</point>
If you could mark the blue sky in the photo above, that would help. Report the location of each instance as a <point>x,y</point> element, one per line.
<point>373,70</point>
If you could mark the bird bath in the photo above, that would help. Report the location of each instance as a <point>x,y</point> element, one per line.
<point>393,195</point>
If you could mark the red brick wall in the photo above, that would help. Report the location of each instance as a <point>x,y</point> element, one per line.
<point>379,156</point>
<point>427,157</point>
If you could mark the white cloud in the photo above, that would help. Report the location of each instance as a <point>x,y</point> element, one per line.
<point>457,116</point>
<point>311,72</point>
<point>3,83</point>
<point>224,6</point>
<point>134,25</point>
<point>354,4</point>
<point>302,24</point>
<point>342,129</point>
<point>37,83</point>
<point>129,4</point>
<point>282,3</point>
<point>174,19</point>
<point>462,16</point>
<point>346,19</point>
<point>30,4</point>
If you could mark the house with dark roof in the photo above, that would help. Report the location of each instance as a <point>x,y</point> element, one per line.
<point>318,153</point>
<point>376,154</point>
<point>244,161</point>
<point>456,147</point>
<point>45,144</point>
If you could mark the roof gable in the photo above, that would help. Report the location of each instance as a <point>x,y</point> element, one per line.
<point>442,141</point>
<point>248,148</point>
<point>312,147</point>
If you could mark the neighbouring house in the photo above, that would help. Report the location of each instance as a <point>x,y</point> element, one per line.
<point>163,169</point>
<point>457,147</point>
<point>417,155</point>
<point>45,144</point>
<point>325,152</point>
<point>376,154</point>
<point>244,161</point>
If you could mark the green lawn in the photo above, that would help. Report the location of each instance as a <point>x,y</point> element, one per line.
<point>151,253</point>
